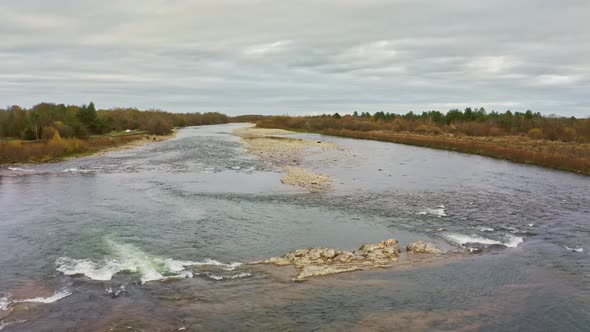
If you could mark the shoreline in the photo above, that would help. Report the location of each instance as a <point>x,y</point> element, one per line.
<point>104,144</point>
<point>548,154</point>
<point>148,139</point>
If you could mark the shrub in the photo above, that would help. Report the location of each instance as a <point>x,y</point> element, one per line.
<point>474,128</point>
<point>400,124</point>
<point>63,129</point>
<point>48,133</point>
<point>535,133</point>
<point>435,130</point>
<point>426,129</point>
<point>158,127</point>
<point>568,134</point>
<point>421,129</point>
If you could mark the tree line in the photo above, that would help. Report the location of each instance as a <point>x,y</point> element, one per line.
<point>42,121</point>
<point>469,122</point>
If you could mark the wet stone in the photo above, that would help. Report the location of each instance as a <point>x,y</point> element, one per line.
<point>313,262</point>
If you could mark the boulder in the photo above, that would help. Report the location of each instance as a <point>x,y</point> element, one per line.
<point>421,247</point>
<point>383,248</point>
<point>344,257</point>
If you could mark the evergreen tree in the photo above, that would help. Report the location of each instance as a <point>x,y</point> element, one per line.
<point>87,115</point>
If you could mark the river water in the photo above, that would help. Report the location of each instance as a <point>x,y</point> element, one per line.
<point>153,238</point>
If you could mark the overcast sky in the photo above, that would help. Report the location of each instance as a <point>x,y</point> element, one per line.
<point>298,57</point>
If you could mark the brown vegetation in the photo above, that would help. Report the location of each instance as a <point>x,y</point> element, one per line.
<point>559,155</point>
<point>52,131</point>
<point>18,151</point>
<point>252,118</point>
<point>83,121</point>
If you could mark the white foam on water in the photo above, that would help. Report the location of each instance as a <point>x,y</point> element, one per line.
<point>574,249</point>
<point>181,275</point>
<point>4,303</point>
<point>117,291</point>
<point>486,229</point>
<point>104,270</point>
<point>129,258</point>
<point>241,275</point>
<point>232,266</point>
<point>173,265</point>
<point>53,298</point>
<point>212,262</point>
<point>439,211</point>
<point>215,277</point>
<point>513,241</point>
<point>511,229</point>
<point>18,169</point>
<point>185,275</point>
<point>218,277</point>
<point>462,239</point>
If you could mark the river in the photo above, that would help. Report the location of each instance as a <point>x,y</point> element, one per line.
<point>155,237</point>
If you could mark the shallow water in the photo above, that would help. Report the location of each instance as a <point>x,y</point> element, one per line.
<point>165,226</point>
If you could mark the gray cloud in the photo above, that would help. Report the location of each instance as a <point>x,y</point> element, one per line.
<point>275,57</point>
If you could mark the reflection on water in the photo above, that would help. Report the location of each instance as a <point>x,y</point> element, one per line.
<point>152,238</point>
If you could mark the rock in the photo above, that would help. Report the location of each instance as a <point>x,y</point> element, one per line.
<point>313,262</point>
<point>421,247</point>
<point>330,253</point>
<point>276,261</point>
<point>388,246</point>
<point>344,257</point>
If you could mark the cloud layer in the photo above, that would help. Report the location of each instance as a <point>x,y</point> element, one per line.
<point>298,57</point>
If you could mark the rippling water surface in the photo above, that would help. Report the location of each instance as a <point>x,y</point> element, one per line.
<point>154,238</point>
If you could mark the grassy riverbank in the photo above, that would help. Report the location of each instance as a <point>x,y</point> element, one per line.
<point>21,151</point>
<point>554,154</point>
<point>50,132</point>
<point>572,155</point>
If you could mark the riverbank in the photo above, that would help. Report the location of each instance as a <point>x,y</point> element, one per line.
<point>568,156</point>
<point>57,148</point>
<point>144,140</point>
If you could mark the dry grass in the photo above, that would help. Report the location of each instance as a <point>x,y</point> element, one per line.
<point>17,151</point>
